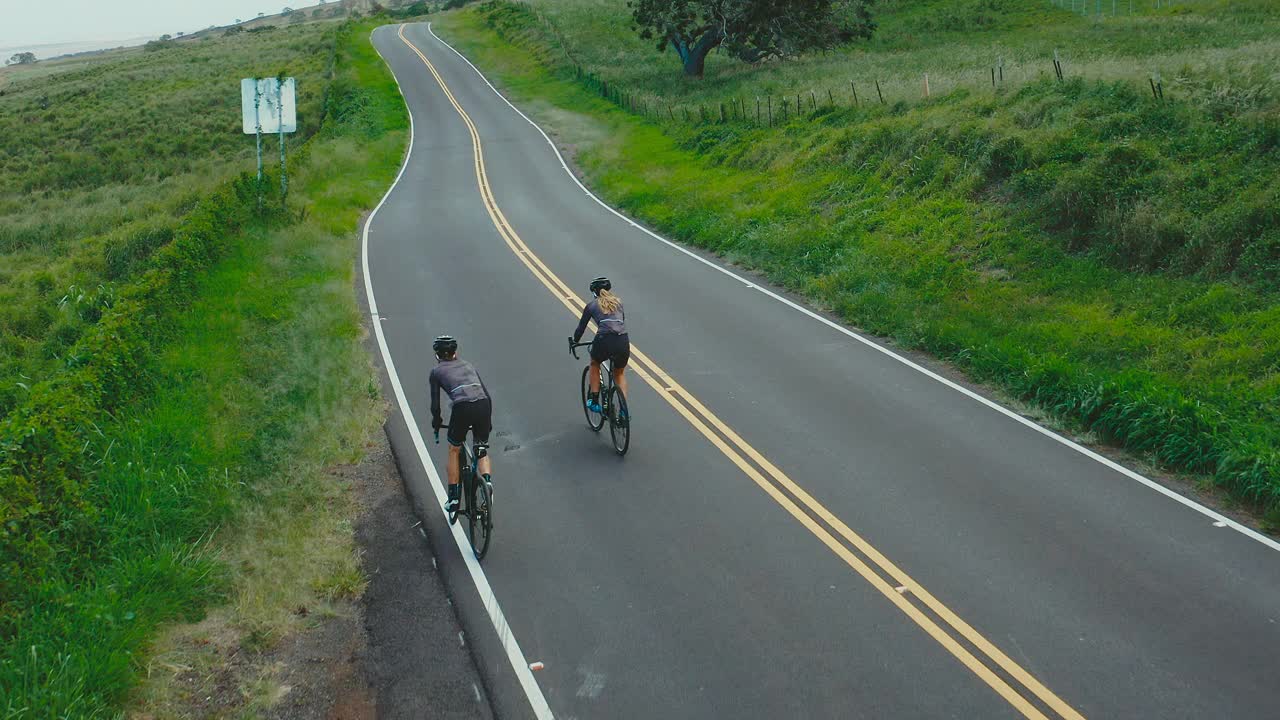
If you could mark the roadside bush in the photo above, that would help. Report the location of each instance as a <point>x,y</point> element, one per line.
<point>48,447</point>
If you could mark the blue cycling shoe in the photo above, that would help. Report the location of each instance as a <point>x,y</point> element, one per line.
<point>594,406</point>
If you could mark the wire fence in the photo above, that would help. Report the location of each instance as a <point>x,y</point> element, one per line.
<point>1114,8</point>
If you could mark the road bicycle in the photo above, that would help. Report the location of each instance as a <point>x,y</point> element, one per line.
<point>475,501</point>
<point>613,404</point>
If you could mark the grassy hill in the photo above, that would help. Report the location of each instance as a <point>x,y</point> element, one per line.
<point>1110,257</point>
<point>178,363</point>
<point>100,162</point>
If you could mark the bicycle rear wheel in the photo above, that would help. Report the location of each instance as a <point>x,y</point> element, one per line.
<point>619,420</point>
<point>595,420</point>
<point>481,517</point>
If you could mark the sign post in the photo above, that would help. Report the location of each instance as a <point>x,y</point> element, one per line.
<point>278,116</point>
<point>279,103</point>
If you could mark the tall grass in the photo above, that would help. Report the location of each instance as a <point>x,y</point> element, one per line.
<point>250,387</point>
<point>99,161</point>
<point>974,226</point>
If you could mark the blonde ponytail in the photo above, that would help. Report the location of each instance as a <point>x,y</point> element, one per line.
<point>609,302</point>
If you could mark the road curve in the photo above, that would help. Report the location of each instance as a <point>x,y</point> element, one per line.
<point>806,525</point>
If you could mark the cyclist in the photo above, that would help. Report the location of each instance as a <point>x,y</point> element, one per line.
<point>471,408</point>
<point>611,341</point>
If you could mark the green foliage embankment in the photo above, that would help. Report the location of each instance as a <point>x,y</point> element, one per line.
<point>224,371</point>
<point>1100,254</point>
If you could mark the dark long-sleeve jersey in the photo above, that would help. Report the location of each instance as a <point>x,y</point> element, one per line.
<point>606,323</point>
<point>459,380</point>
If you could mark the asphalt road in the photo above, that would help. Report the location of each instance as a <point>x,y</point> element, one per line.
<point>805,526</point>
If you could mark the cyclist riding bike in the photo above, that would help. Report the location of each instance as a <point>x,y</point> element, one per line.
<point>471,408</point>
<point>611,341</point>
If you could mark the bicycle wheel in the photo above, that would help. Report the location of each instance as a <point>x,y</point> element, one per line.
<point>481,517</point>
<point>595,421</point>
<point>619,420</point>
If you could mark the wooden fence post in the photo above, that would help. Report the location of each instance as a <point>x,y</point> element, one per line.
<point>855,93</point>
<point>882,102</point>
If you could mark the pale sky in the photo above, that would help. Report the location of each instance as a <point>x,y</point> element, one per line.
<point>38,22</point>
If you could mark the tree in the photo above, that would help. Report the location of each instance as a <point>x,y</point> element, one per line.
<point>22,58</point>
<point>261,14</point>
<point>751,30</point>
<point>166,37</point>
<point>287,11</point>
<point>180,33</point>
<point>238,21</point>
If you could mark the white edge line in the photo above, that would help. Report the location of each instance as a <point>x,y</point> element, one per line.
<point>518,661</point>
<point>1248,532</point>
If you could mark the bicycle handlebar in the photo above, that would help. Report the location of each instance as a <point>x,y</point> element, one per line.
<point>573,347</point>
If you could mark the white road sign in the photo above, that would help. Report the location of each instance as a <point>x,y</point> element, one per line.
<point>267,102</point>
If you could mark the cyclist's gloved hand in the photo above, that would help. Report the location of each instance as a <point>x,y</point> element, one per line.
<point>436,424</point>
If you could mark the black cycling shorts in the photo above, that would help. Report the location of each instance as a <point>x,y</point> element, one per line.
<point>611,347</point>
<point>476,416</point>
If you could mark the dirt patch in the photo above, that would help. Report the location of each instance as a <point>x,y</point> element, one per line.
<point>392,653</point>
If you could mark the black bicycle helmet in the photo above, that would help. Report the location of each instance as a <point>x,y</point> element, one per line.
<point>444,345</point>
<point>600,283</point>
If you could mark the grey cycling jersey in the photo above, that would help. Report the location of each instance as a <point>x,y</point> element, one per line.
<point>457,378</point>
<point>606,323</point>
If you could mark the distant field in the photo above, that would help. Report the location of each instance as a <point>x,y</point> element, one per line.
<point>1107,256</point>
<point>101,158</point>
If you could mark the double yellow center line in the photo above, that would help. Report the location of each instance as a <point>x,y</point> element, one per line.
<point>1013,683</point>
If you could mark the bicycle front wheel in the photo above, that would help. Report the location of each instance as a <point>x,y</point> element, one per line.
<point>619,420</point>
<point>595,420</point>
<point>481,517</point>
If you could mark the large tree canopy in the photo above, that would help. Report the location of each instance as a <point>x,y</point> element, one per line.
<point>752,30</point>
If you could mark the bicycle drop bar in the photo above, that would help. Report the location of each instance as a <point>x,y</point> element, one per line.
<point>573,347</point>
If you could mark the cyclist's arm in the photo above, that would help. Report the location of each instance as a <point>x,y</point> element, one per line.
<point>582,323</point>
<point>435,400</point>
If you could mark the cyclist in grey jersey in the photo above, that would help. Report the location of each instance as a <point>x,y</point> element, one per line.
<point>611,341</point>
<point>471,409</point>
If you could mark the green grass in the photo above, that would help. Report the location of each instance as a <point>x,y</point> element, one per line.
<point>207,484</point>
<point>100,161</point>
<point>978,226</point>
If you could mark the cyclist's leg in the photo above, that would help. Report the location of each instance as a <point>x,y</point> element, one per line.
<point>621,356</point>
<point>457,435</point>
<point>455,462</point>
<point>481,426</point>
<point>594,377</point>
